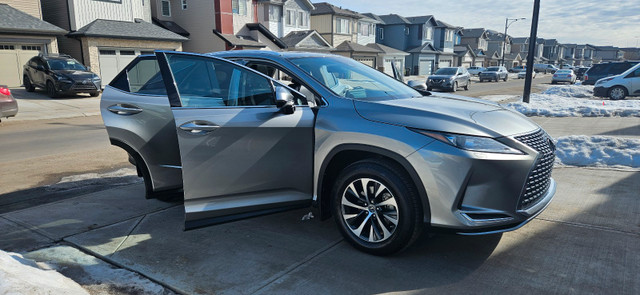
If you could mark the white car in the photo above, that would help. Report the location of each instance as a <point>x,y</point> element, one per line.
<point>475,70</point>
<point>522,74</point>
<point>567,76</point>
<point>619,86</point>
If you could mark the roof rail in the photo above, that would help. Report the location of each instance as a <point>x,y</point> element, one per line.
<point>54,55</point>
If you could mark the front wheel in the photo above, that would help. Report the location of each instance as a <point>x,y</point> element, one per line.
<point>506,77</point>
<point>51,90</point>
<point>27,84</point>
<point>466,87</point>
<point>454,88</point>
<point>617,93</point>
<point>94,94</point>
<point>376,207</point>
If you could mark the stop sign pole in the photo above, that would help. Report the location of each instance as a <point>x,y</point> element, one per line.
<point>532,50</point>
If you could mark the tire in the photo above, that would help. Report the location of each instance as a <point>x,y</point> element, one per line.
<point>429,88</point>
<point>369,226</point>
<point>617,93</point>
<point>94,94</point>
<point>27,84</point>
<point>554,82</point>
<point>454,88</point>
<point>466,87</point>
<point>51,90</point>
<point>506,77</point>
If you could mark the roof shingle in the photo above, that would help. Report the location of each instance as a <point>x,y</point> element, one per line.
<point>15,21</point>
<point>138,30</point>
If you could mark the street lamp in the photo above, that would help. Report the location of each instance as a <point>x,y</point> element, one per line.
<point>507,23</point>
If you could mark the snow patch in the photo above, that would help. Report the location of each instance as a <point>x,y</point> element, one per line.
<point>570,91</point>
<point>598,151</point>
<point>551,105</point>
<point>501,98</point>
<point>122,176</point>
<point>19,275</point>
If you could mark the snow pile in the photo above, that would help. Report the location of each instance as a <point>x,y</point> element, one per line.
<point>22,276</point>
<point>570,91</point>
<point>551,105</point>
<point>501,98</point>
<point>122,176</point>
<point>598,151</point>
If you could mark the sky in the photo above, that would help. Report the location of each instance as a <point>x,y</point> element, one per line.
<point>597,22</point>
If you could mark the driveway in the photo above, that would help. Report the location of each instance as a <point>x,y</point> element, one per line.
<point>37,106</point>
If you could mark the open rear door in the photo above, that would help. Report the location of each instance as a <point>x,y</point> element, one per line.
<point>241,156</point>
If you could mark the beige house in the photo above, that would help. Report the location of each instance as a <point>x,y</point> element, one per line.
<point>107,35</point>
<point>335,24</point>
<point>23,35</point>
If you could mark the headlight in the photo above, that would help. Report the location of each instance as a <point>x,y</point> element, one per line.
<point>62,78</point>
<point>96,79</point>
<point>602,81</point>
<point>471,143</point>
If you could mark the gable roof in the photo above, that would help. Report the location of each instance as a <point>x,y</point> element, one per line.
<point>416,20</point>
<point>442,24</point>
<point>138,30</point>
<point>262,29</point>
<point>496,36</point>
<point>520,40</point>
<point>326,8</point>
<point>424,48</point>
<point>374,16</point>
<point>355,47</point>
<point>244,41</point>
<point>15,21</point>
<point>462,50</point>
<point>294,39</point>
<point>394,19</point>
<point>386,49</point>
<point>474,33</point>
<point>171,26</point>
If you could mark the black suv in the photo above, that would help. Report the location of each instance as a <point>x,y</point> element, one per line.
<point>60,74</point>
<point>599,71</point>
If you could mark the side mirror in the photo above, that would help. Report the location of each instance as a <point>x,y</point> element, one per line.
<point>284,100</point>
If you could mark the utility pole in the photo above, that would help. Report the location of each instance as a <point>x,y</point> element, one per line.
<point>533,38</point>
<point>506,27</point>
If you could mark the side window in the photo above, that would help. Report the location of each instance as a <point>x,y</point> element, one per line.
<point>142,78</point>
<point>283,77</point>
<point>205,82</point>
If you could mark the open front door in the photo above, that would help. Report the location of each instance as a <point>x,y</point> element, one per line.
<point>241,155</point>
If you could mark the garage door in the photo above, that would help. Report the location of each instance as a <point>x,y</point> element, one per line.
<point>445,63</point>
<point>466,64</point>
<point>12,58</point>
<point>112,61</point>
<point>388,67</point>
<point>425,67</point>
<point>370,61</point>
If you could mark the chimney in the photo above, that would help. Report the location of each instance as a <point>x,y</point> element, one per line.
<point>223,16</point>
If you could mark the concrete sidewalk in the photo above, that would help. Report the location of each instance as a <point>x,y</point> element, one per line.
<point>586,242</point>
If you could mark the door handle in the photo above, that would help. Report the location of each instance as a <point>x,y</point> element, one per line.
<point>199,127</point>
<point>124,109</point>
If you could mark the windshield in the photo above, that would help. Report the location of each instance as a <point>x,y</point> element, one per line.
<point>492,69</point>
<point>65,64</point>
<point>351,79</point>
<point>447,71</point>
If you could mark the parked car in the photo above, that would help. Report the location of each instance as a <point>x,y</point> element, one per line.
<point>8,104</point>
<point>567,67</point>
<point>599,71</point>
<point>544,68</point>
<point>619,86</point>
<point>494,74</point>
<point>246,133</point>
<point>60,74</point>
<point>475,70</point>
<point>516,69</point>
<point>579,71</point>
<point>523,74</point>
<point>449,79</point>
<point>567,76</point>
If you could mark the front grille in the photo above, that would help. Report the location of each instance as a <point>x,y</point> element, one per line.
<point>83,86</point>
<point>540,177</point>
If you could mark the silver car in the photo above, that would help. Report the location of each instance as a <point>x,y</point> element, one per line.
<point>567,76</point>
<point>246,133</point>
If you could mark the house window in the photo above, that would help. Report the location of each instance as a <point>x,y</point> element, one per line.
<point>364,28</point>
<point>166,7</point>
<point>428,32</point>
<point>381,33</point>
<point>31,47</point>
<point>184,4</point>
<point>344,26</point>
<point>274,13</point>
<point>291,18</point>
<point>303,21</point>
<point>449,36</point>
<point>406,31</point>
<point>239,7</point>
<point>7,47</point>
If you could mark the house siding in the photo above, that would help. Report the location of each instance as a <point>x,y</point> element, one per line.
<point>31,7</point>
<point>371,38</point>
<point>322,24</point>
<point>198,19</point>
<point>56,13</point>
<point>297,6</point>
<point>86,11</point>
<point>240,20</point>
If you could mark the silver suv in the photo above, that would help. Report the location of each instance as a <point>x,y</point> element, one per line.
<point>246,133</point>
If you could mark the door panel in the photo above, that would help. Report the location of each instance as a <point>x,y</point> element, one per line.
<point>248,158</point>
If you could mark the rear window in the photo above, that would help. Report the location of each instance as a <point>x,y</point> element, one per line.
<point>598,69</point>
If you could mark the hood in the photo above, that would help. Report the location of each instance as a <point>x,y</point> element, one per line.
<point>445,77</point>
<point>75,75</point>
<point>447,113</point>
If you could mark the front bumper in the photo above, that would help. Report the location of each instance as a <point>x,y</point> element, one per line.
<point>440,84</point>
<point>479,193</point>
<point>601,91</point>
<point>85,86</point>
<point>562,79</point>
<point>488,77</point>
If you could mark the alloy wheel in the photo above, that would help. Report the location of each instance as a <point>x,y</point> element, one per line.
<point>617,93</point>
<point>369,210</point>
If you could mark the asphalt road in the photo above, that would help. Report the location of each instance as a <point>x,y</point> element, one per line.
<point>511,87</point>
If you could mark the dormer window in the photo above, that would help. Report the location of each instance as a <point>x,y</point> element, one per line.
<point>165,7</point>
<point>427,32</point>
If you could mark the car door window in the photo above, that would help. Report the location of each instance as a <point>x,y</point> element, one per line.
<point>285,78</point>
<point>209,83</point>
<point>142,77</point>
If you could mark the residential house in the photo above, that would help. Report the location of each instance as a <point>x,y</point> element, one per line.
<point>445,41</point>
<point>23,34</point>
<point>389,57</point>
<point>366,31</point>
<point>571,55</point>
<point>521,46</point>
<point>282,17</point>
<point>589,55</point>
<point>309,40</point>
<point>553,51</point>
<point>465,56</point>
<point>414,35</point>
<point>107,35</point>
<point>608,54</point>
<point>478,40</point>
<point>631,53</point>
<point>335,24</point>
<point>364,54</point>
<point>501,45</point>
